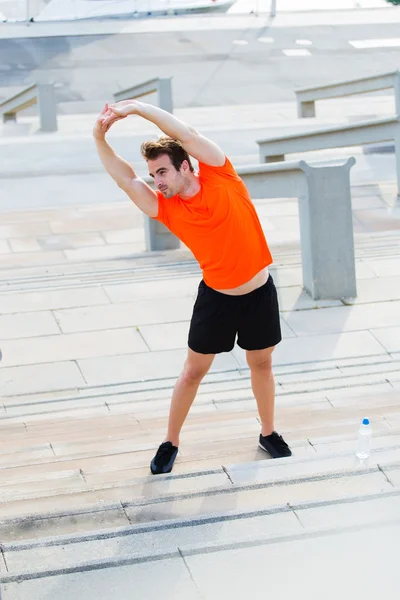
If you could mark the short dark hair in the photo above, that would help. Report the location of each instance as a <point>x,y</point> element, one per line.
<point>166,146</point>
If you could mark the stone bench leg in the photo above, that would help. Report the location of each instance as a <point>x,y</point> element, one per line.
<point>274,159</point>
<point>158,237</point>
<point>165,94</point>
<point>397,158</point>
<point>306,110</point>
<point>47,107</point>
<point>326,231</point>
<point>9,117</point>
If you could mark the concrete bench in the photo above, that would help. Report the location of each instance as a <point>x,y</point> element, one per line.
<point>326,221</point>
<point>306,98</point>
<point>158,237</point>
<point>354,134</point>
<point>161,86</point>
<point>40,94</point>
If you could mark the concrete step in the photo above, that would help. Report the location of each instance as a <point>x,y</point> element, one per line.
<point>86,436</point>
<point>364,557</point>
<point>61,484</point>
<point>221,390</point>
<point>135,430</point>
<point>65,482</point>
<point>232,517</point>
<point>160,265</point>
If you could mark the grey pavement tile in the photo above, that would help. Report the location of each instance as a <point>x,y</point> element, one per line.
<point>287,223</point>
<point>259,499</point>
<point>387,440</point>
<point>147,365</point>
<point>286,276</point>
<point>344,318</point>
<point>363,270</point>
<point>94,222</point>
<point>125,236</point>
<point>323,347</point>
<point>55,348</point>
<point>166,336</point>
<point>378,219</point>
<point>266,224</point>
<point>366,202</point>
<point>294,298</point>
<point>59,525</point>
<point>274,208</point>
<point>333,382</point>
<point>40,378</point>
<point>168,579</point>
<point>159,289</point>
<point>31,455</point>
<point>389,337</point>
<point>365,191</point>
<point>384,267</point>
<point>52,300</point>
<point>60,409</point>
<point>36,489</point>
<point>386,368</point>
<point>27,229</point>
<point>380,289</point>
<point>141,312</point>
<point>26,325</point>
<point>29,259</point>
<point>4,247</point>
<point>160,540</point>
<point>105,251</point>
<point>368,393</point>
<point>27,216</point>
<point>289,468</point>
<point>393,475</point>
<point>71,240</point>
<point>25,245</point>
<point>351,513</point>
<point>156,487</point>
<point>364,563</point>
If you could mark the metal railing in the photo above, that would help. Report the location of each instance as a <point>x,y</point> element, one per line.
<point>41,94</point>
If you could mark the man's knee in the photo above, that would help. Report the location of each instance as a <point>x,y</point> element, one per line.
<point>196,367</point>
<point>260,360</point>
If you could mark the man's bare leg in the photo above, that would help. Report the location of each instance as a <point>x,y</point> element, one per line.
<point>263,385</point>
<point>185,390</point>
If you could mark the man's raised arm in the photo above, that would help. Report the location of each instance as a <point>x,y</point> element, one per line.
<point>122,172</point>
<point>195,144</point>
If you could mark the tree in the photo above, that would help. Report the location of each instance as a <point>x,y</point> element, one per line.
<point>394,1</point>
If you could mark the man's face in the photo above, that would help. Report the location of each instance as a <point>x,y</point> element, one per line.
<point>167,179</point>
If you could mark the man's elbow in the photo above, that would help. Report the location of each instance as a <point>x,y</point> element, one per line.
<point>190,136</point>
<point>124,183</point>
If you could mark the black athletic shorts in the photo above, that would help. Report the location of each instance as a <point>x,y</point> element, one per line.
<point>218,318</point>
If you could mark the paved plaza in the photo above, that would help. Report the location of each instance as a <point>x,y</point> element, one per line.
<point>93,333</point>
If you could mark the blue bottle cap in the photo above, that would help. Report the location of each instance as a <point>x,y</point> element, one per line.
<point>365,422</point>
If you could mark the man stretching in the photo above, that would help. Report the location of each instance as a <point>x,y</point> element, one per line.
<point>212,213</point>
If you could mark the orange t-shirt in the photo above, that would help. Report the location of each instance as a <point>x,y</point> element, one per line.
<point>220,226</point>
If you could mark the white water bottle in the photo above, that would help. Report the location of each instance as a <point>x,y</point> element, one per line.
<point>364,440</point>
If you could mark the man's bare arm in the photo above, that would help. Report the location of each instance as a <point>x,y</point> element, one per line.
<point>195,144</point>
<point>122,172</point>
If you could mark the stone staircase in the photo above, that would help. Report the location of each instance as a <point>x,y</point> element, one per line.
<point>75,490</point>
<point>76,494</point>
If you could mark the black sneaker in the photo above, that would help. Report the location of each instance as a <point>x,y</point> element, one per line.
<point>164,459</point>
<point>275,445</point>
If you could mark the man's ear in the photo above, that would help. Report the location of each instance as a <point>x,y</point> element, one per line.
<point>185,166</point>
